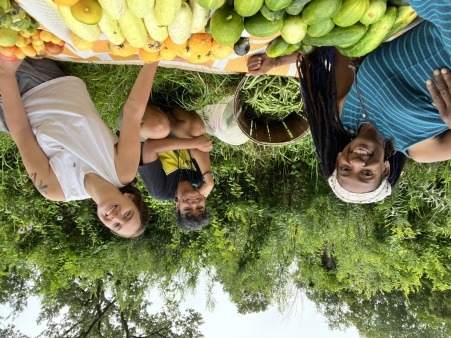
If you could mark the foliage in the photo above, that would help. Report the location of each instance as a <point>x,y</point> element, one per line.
<point>105,308</point>
<point>387,314</point>
<point>275,222</point>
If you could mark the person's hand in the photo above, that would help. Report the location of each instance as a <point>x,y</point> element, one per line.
<point>440,90</point>
<point>9,67</point>
<point>260,64</point>
<point>205,189</point>
<point>203,143</point>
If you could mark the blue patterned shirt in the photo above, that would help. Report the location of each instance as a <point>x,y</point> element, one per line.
<point>390,90</point>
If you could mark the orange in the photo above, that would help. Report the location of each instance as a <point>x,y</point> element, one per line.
<point>221,51</point>
<point>200,43</point>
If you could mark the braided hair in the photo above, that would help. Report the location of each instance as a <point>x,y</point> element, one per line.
<point>319,92</point>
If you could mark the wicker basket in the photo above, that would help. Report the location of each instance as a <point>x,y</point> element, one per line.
<point>265,131</point>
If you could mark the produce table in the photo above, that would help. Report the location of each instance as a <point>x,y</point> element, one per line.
<point>45,13</point>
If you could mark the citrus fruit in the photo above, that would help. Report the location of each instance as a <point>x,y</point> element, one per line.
<point>226,25</point>
<point>87,11</point>
<point>8,37</point>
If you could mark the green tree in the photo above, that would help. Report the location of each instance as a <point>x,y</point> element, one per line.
<point>113,310</point>
<point>386,315</point>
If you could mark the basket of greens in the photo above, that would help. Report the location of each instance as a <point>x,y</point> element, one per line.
<point>269,109</point>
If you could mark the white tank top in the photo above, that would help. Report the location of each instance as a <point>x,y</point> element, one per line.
<point>71,134</point>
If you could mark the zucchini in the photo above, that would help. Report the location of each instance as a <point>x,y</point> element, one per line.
<point>338,36</point>
<point>373,37</point>
<point>296,6</point>
<point>319,10</point>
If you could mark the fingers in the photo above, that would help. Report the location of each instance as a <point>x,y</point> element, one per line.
<point>204,143</point>
<point>254,62</point>
<point>440,89</point>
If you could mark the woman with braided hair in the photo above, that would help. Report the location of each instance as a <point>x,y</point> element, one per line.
<point>365,123</point>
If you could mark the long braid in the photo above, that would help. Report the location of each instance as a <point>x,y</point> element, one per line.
<point>319,92</point>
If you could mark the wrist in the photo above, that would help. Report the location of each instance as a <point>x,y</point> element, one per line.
<point>208,178</point>
<point>207,174</point>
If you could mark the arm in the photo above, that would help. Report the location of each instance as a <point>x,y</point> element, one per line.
<point>128,147</point>
<point>435,149</point>
<point>438,148</point>
<point>344,76</point>
<point>35,160</point>
<point>203,161</point>
<point>151,148</point>
<point>261,64</point>
<point>185,124</point>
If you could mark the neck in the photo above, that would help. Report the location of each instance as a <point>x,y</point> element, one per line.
<point>183,187</point>
<point>368,130</point>
<point>96,186</point>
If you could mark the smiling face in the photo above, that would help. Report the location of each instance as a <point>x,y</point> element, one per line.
<point>120,215</point>
<point>361,166</point>
<point>190,203</point>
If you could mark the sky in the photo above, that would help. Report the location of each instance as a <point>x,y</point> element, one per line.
<point>302,320</point>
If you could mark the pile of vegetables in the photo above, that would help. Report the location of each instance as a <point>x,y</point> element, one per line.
<point>272,97</point>
<point>156,29</point>
<point>20,36</point>
<point>356,27</point>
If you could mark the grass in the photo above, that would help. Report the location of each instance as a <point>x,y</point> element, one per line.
<point>109,86</point>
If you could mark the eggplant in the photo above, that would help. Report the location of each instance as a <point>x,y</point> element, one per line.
<point>242,46</point>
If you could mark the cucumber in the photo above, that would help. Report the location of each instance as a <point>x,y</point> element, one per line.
<point>405,15</point>
<point>271,15</point>
<point>305,49</point>
<point>374,12</point>
<point>276,5</point>
<point>338,36</point>
<point>258,25</point>
<point>180,29</point>
<point>292,48</point>
<point>321,28</point>
<point>166,10</point>
<point>296,6</point>
<point>374,36</point>
<point>277,47</point>
<point>399,2</point>
<point>319,10</point>
<point>350,12</point>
